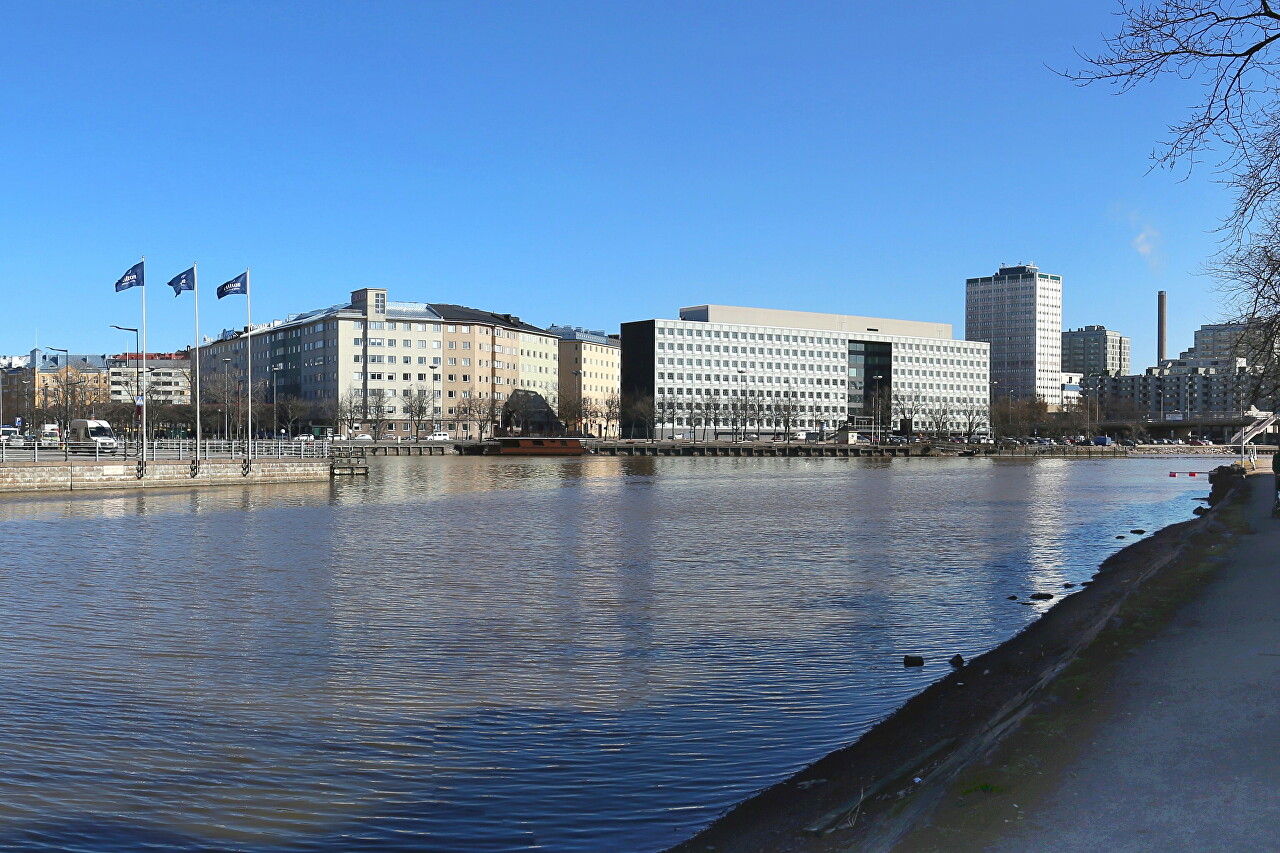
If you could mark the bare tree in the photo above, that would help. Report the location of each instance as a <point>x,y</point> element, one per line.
<point>347,409</point>
<point>786,411</point>
<point>570,411</point>
<point>611,411</point>
<point>938,415</point>
<point>972,416</point>
<point>418,409</point>
<point>910,407</point>
<point>1231,49</point>
<point>757,411</point>
<point>290,409</point>
<point>663,413</point>
<point>476,407</point>
<point>638,416</point>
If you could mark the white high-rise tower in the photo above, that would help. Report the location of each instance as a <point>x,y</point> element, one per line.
<point>1019,312</point>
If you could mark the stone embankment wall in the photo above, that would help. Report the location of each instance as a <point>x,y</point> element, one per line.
<point>74,476</point>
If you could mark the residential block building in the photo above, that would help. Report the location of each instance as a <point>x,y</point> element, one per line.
<point>590,393</point>
<point>1187,387</point>
<point>1218,340</point>
<point>794,369</point>
<point>1095,351</point>
<point>1018,311</point>
<point>165,375</point>
<point>409,366</point>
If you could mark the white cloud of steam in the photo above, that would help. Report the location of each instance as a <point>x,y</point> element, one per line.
<point>1147,244</point>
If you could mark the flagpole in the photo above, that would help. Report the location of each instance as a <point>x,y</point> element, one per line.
<point>142,389</point>
<point>248,317</point>
<point>195,285</point>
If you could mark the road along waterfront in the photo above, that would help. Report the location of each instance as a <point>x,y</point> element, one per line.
<point>496,654</point>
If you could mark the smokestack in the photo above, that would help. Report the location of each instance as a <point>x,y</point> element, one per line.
<point>1160,326</point>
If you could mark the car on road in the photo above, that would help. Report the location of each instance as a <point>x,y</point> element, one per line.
<point>306,436</point>
<point>439,436</point>
<point>364,436</point>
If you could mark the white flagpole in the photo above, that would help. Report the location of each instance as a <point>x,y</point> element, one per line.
<point>248,314</point>
<point>195,389</point>
<point>142,388</point>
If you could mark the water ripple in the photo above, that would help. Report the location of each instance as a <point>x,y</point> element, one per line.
<point>496,654</point>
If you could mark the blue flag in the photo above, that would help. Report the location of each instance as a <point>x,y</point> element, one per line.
<point>132,278</point>
<point>238,286</point>
<point>183,281</point>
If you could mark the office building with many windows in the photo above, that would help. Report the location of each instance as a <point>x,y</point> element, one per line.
<point>1018,311</point>
<point>725,369</point>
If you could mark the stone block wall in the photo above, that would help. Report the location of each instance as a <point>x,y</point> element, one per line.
<point>75,476</point>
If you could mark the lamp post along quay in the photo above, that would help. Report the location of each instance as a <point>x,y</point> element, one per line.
<point>66,385</point>
<point>137,376</point>
<point>226,399</point>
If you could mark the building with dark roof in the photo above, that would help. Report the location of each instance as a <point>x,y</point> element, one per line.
<point>375,365</point>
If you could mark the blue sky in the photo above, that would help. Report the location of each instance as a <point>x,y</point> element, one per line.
<point>582,163</point>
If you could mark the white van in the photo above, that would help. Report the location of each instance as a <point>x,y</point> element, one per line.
<point>91,435</point>
<point>8,434</point>
<point>439,436</point>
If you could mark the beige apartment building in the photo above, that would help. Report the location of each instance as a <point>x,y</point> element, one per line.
<point>404,368</point>
<point>590,380</point>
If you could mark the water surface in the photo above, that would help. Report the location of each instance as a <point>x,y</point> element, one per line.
<point>491,654</point>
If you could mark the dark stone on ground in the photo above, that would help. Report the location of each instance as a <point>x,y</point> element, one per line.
<point>1042,596</point>
<point>1139,531</point>
<point>957,661</point>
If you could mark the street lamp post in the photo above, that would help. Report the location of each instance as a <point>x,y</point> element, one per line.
<point>875,408</point>
<point>66,386</point>
<point>226,399</point>
<point>137,371</point>
<point>275,397</point>
<point>577,401</point>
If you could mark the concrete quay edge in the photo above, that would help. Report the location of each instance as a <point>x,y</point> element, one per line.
<point>44,477</point>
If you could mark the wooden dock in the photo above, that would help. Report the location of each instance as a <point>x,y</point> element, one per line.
<point>407,448</point>
<point>843,451</point>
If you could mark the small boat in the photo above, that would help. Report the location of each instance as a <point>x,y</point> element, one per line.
<point>530,446</point>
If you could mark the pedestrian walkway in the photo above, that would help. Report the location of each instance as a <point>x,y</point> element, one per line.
<point>1180,750</point>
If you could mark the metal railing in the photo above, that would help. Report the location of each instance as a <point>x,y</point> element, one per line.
<point>172,449</point>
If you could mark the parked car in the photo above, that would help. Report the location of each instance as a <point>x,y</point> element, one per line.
<point>439,436</point>
<point>364,436</point>
<point>306,436</point>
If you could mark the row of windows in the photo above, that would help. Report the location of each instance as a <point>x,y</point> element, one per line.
<point>747,336</point>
